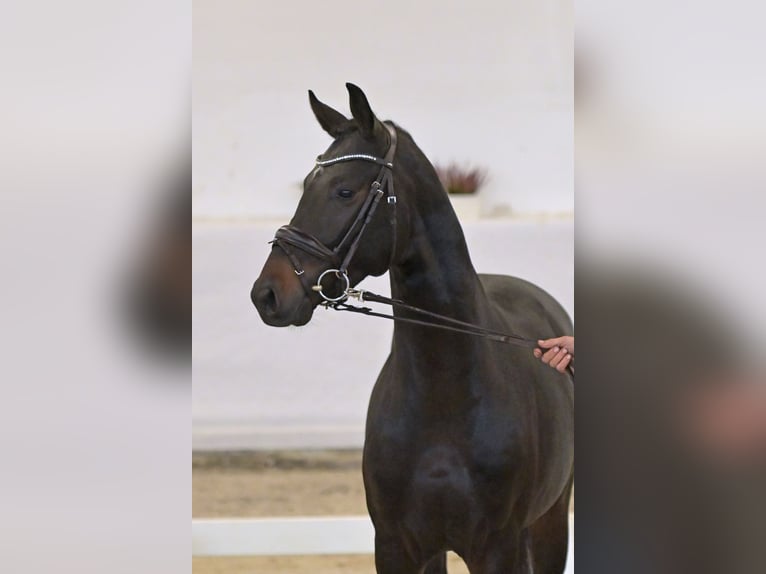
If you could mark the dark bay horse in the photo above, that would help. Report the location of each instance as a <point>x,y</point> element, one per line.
<point>469,442</point>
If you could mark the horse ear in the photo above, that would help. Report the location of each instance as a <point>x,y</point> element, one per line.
<point>360,109</point>
<point>332,121</point>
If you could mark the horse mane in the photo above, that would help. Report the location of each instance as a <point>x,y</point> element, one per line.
<point>420,157</point>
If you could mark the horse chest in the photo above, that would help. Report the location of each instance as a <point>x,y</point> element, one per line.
<point>433,463</point>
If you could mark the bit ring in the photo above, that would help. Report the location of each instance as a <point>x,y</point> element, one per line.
<point>340,275</point>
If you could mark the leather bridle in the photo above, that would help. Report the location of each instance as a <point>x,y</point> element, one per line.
<point>289,236</point>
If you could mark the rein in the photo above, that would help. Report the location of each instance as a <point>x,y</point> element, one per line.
<point>289,236</point>
<point>454,325</point>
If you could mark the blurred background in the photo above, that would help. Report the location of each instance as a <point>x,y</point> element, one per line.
<point>670,133</point>
<point>671,391</point>
<point>95,287</point>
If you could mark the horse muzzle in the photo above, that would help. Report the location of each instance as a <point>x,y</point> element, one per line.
<point>278,310</point>
<point>279,296</point>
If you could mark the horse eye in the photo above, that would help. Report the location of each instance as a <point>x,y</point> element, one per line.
<point>345,193</point>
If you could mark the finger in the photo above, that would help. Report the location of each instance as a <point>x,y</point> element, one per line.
<point>537,353</point>
<point>550,354</point>
<point>557,358</point>
<point>555,342</point>
<point>562,366</point>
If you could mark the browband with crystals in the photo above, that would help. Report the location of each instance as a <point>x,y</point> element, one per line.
<point>352,157</point>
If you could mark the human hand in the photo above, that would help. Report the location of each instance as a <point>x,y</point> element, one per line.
<point>558,353</point>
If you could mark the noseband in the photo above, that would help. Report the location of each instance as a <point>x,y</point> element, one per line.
<point>289,236</point>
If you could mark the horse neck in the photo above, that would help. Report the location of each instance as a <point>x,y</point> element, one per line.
<point>435,273</point>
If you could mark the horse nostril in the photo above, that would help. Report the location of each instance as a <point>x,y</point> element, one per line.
<point>265,300</point>
<point>269,298</point>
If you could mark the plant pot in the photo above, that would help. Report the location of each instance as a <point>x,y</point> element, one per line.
<point>466,206</point>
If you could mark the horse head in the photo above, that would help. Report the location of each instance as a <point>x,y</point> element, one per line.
<point>345,225</point>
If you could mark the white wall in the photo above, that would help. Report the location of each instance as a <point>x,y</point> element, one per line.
<point>486,82</point>
<point>262,387</point>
